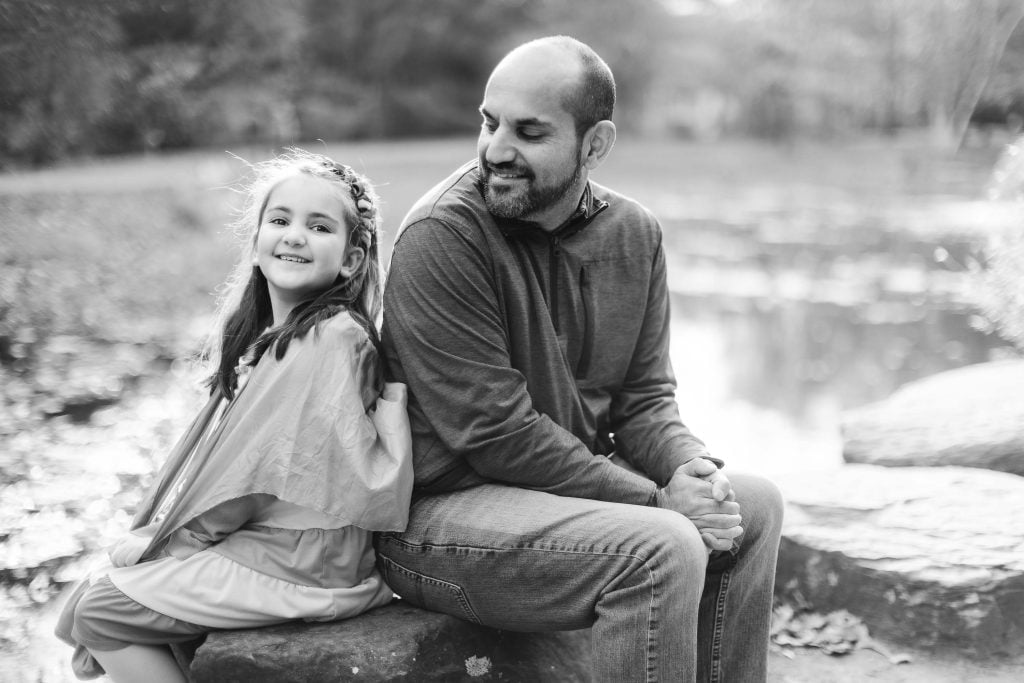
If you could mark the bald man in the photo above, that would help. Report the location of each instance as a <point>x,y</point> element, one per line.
<point>556,486</point>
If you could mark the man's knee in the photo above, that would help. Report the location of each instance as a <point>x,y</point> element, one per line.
<point>676,540</point>
<point>761,505</point>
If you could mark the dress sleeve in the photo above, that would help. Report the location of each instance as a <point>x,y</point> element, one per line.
<point>215,525</point>
<point>443,323</point>
<point>645,416</point>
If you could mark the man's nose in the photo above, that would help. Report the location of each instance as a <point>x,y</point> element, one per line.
<point>500,147</point>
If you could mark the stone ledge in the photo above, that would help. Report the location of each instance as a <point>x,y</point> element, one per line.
<point>397,642</point>
<point>928,557</point>
<point>968,417</point>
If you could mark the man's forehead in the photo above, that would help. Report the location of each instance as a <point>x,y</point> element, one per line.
<point>526,102</point>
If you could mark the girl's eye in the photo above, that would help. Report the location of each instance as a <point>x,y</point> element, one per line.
<point>278,221</point>
<point>321,228</point>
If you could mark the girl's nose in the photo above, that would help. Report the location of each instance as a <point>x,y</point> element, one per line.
<point>294,235</point>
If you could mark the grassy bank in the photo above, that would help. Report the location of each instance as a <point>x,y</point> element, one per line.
<point>133,248</point>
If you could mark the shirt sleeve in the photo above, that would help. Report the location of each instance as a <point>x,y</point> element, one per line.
<point>649,432</point>
<point>444,322</point>
<point>214,525</point>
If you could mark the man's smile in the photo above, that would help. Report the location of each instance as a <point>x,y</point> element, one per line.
<point>508,174</point>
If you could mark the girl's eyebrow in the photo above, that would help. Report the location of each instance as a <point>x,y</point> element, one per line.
<point>324,216</point>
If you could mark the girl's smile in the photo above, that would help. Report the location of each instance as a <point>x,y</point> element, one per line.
<point>293,258</point>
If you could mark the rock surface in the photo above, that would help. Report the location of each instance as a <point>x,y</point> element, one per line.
<point>972,417</point>
<point>397,642</point>
<point>931,558</point>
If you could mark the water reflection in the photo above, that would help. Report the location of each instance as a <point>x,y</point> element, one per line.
<point>774,338</point>
<point>789,355</point>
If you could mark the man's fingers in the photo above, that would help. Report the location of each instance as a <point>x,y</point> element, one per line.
<point>708,506</point>
<point>716,543</point>
<point>720,489</point>
<point>729,534</point>
<point>717,521</point>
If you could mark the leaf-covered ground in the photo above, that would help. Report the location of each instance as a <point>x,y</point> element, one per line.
<point>70,490</point>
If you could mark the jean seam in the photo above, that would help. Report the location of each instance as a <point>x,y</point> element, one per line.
<point>574,551</point>
<point>651,627</point>
<point>719,623</point>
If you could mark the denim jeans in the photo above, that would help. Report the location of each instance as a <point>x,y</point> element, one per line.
<point>659,607</point>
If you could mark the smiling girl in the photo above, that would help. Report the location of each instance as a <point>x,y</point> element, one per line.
<point>265,508</point>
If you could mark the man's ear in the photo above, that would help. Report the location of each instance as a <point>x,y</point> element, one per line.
<point>597,143</point>
<point>353,260</point>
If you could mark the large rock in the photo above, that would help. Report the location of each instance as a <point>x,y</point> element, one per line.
<point>397,642</point>
<point>972,417</point>
<point>927,557</point>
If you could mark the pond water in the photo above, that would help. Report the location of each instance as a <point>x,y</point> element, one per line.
<point>773,338</point>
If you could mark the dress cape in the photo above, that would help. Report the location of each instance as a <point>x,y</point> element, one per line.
<point>307,429</point>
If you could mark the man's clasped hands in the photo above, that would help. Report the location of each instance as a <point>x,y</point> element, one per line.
<point>702,493</point>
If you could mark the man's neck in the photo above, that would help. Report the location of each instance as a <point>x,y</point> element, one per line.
<point>554,217</point>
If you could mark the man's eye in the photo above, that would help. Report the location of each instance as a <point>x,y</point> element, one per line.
<point>490,126</point>
<point>530,135</point>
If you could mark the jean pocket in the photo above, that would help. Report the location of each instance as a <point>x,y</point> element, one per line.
<point>426,591</point>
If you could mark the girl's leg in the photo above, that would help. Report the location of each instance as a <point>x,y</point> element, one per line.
<point>152,663</point>
<point>127,639</point>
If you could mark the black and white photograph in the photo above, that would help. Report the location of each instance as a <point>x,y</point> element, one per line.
<point>539,341</point>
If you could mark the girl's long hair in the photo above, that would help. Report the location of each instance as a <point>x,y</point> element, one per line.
<point>245,311</point>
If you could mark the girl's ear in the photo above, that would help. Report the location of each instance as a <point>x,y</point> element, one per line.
<point>353,261</point>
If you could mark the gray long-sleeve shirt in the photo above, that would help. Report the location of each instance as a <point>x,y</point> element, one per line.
<point>532,356</point>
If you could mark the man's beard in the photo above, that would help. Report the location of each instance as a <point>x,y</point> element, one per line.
<point>524,202</point>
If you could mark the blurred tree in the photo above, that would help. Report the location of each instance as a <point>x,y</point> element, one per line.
<point>902,63</point>
<point>57,71</point>
<point>252,71</point>
<point>1001,107</point>
<point>952,47</point>
<point>126,75</point>
<point>407,67</point>
<point>123,75</point>
<point>779,67</point>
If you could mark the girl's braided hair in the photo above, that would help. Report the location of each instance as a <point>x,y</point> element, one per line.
<point>245,307</point>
